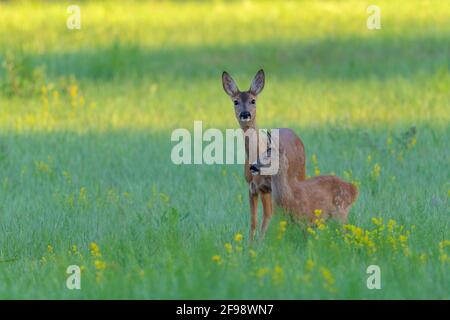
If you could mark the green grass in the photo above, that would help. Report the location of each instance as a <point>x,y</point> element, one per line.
<point>85,124</point>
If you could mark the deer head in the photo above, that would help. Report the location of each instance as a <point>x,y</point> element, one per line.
<point>244,101</point>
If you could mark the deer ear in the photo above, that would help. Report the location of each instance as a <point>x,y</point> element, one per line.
<point>229,85</point>
<point>258,82</point>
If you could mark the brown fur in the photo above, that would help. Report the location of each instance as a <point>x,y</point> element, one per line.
<point>330,194</point>
<point>291,149</point>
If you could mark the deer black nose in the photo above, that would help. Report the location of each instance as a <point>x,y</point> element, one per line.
<point>254,169</point>
<point>245,115</point>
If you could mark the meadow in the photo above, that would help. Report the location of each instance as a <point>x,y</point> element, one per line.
<point>86,177</point>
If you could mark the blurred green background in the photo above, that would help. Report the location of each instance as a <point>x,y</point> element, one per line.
<point>85,123</point>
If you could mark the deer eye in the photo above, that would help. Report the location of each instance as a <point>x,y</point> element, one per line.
<point>236,102</point>
<point>253,101</point>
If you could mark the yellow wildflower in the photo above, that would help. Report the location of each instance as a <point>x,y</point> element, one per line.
<point>228,247</point>
<point>82,195</point>
<point>443,244</point>
<point>320,223</point>
<point>99,265</point>
<point>358,232</point>
<point>95,250</point>
<point>329,279</point>
<point>442,249</point>
<point>391,225</point>
<point>277,275</point>
<point>317,212</point>
<point>403,238</point>
<point>217,259</point>
<point>309,265</point>
<point>262,272</point>
<point>281,229</point>
<point>412,142</point>
<point>326,274</point>
<point>73,91</point>
<point>278,269</point>
<point>316,164</point>
<point>49,248</point>
<point>314,159</point>
<point>376,171</point>
<point>393,242</point>
<point>377,221</point>
<point>238,237</point>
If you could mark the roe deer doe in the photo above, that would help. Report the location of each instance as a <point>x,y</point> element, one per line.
<point>330,194</point>
<point>290,149</point>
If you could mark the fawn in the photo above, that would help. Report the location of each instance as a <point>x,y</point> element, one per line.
<point>290,149</point>
<point>330,194</point>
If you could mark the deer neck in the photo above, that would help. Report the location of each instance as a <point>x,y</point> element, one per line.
<point>249,125</point>
<point>246,128</point>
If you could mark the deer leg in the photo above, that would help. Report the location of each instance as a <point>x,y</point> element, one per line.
<point>266,199</point>
<point>253,197</point>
